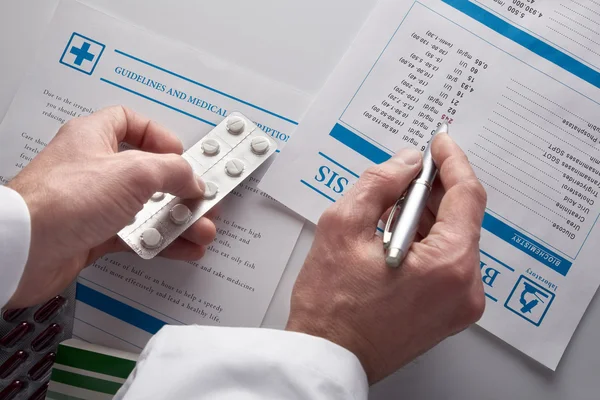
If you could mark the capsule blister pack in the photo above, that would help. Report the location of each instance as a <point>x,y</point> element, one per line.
<point>29,338</point>
<point>223,159</point>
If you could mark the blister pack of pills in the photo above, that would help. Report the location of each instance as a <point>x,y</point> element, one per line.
<point>223,159</point>
<point>29,338</point>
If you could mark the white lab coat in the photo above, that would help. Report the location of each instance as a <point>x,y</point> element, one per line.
<point>194,362</point>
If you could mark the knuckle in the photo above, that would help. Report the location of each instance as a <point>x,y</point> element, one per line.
<point>70,126</point>
<point>474,190</point>
<point>178,165</point>
<point>116,111</point>
<point>460,267</point>
<point>331,218</point>
<point>459,276</point>
<point>144,170</point>
<point>114,115</point>
<point>475,306</point>
<point>379,175</point>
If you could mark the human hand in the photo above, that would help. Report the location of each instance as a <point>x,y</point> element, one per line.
<point>345,292</point>
<point>80,192</point>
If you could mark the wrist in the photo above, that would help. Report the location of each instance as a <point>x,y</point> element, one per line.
<point>343,336</point>
<point>15,237</point>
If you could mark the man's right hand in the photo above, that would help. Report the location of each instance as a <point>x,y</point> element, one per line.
<point>81,191</point>
<point>345,292</point>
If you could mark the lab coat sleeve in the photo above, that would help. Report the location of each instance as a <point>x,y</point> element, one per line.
<point>216,363</point>
<point>15,235</point>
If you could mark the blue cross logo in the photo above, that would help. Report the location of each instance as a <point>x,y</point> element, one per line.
<point>82,54</point>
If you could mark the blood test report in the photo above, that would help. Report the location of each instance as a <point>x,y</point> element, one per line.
<point>90,60</point>
<point>518,83</point>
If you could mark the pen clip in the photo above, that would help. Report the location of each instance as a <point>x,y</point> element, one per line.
<point>389,226</point>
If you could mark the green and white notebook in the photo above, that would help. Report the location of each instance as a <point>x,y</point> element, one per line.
<point>84,371</point>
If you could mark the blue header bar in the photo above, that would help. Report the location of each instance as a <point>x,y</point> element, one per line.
<point>527,245</point>
<point>358,144</point>
<point>119,310</point>
<point>528,41</point>
<point>205,86</point>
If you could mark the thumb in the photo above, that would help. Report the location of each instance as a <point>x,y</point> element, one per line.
<point>149,173</point>
<point>378,189</point>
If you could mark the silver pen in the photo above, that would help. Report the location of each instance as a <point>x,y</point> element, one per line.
<point>399,235</point>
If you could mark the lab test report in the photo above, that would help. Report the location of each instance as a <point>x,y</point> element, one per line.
<point>518,83</point>
<point>90,60</point>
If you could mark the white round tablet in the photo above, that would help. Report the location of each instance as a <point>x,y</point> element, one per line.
<point>151,238</point>
<point>211,147</point>
<point>210,190</point>
<point>234,167</point>
<point>260,145</point>
<point>235,125</point>
<point>180,214</point>
<point>158,196</point>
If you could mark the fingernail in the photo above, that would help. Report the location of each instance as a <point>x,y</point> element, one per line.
<point>201,183</point>
<point>409,156</point>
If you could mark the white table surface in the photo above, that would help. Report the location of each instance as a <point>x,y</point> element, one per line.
<point>299,43</point>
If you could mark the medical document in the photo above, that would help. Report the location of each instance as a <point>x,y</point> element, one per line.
<point>518,83</point>
<point>90,60</point>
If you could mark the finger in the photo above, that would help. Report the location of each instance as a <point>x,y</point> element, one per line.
<point>377,190</point>
<point>183,250</point>
<point>436,196</point>
<point>180,249</point>
<point>202,232</point>
<point>427,221</point>
<point>433,204</point>
<point>214,212</point>
<point>112,245</point>
<point>462,207</point>
<point>148,173</point>
<point>386,216</point>
<point>121,124</point>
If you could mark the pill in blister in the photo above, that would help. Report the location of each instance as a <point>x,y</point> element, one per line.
<point>180,214</point>
<point>211,147</point>
<point>16,334</point>
<point>46,338</point>
<point>49,310</point>
<point>40,394</point>
<point>234,167</point>
<point>12,315</point>
<point>210,191</point>
<point>235,125</point>
<point>41,368</point>
<point>260,145</point>
<point>158,196</point>
<point>238,148</point>
<point>151,238</point>
<point>14,362</point>
<point>12,390</point>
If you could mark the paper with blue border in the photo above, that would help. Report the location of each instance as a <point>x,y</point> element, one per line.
<point>89,60</point>
<point>521,100</point>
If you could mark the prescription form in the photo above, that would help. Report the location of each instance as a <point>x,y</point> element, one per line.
<point>90,60</point>
<point>518,82</point>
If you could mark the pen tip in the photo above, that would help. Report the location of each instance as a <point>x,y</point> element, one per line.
<point>443,128</point>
